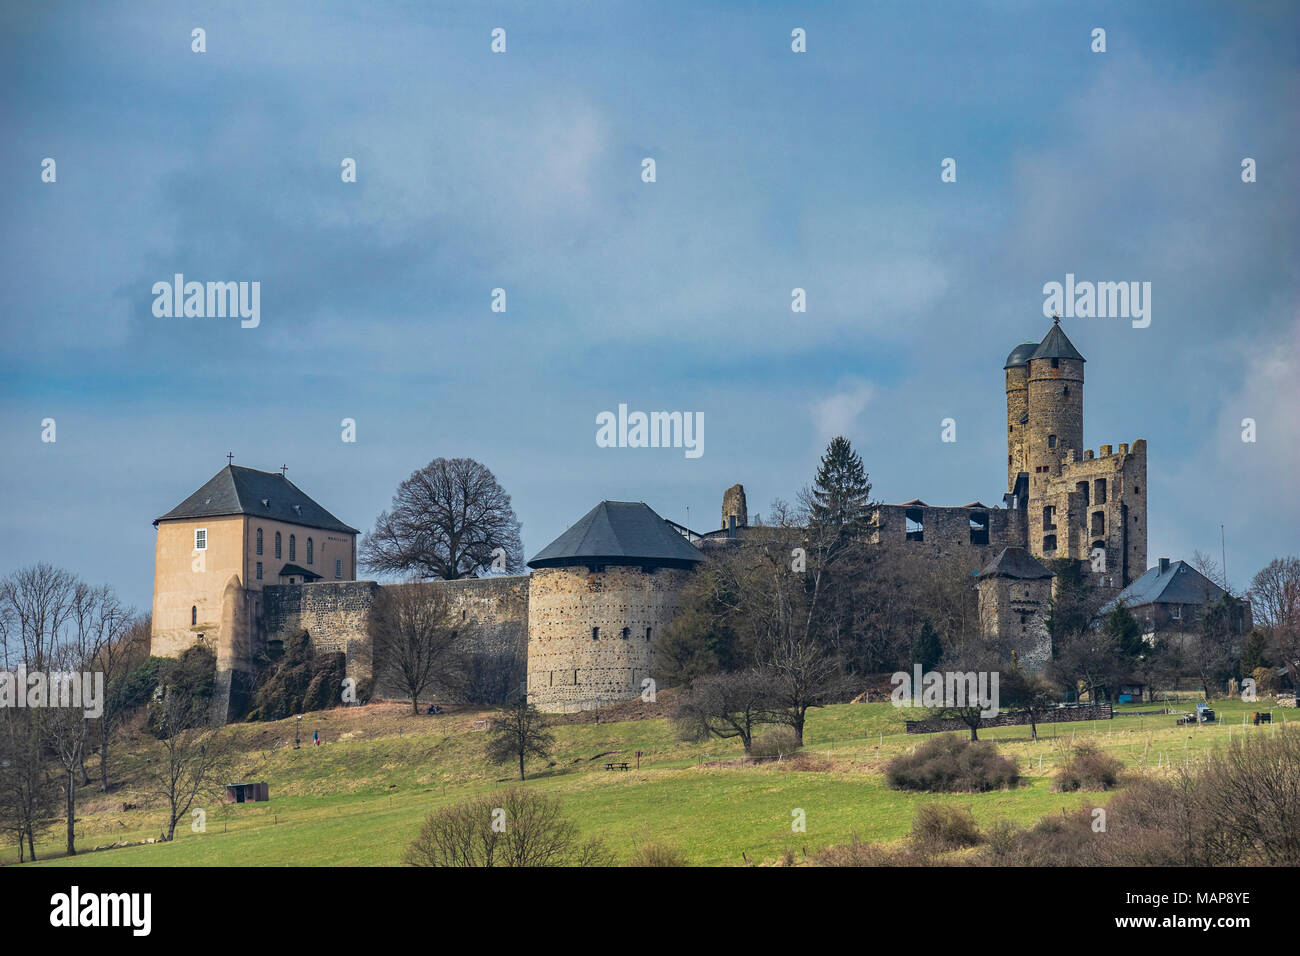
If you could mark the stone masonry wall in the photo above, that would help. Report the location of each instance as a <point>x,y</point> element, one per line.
<point>491,613</point>
<point>1056,715</point>
<point>627,608</point>
<point>948,534</point>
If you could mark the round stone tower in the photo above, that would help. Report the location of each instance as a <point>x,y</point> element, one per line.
<point>599,597</point>
<point>733,506</point>
<point>1055,413</point>
<point>1017,371</point>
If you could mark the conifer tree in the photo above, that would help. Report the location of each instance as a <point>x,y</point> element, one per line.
<point>839,504</point>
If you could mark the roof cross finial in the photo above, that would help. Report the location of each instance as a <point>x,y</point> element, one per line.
<point>230,458</point>
<point>283,469</point>
<point>1056,318</point>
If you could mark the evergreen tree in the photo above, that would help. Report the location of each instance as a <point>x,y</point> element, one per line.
<point>1125,630</point>
<point>926,648</point>
<point>839,504</point>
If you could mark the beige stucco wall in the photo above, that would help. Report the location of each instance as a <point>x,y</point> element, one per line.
<point>328,545</point>
<point>186,579</point>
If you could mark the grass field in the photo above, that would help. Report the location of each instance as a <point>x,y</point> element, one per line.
<point>359,798</point>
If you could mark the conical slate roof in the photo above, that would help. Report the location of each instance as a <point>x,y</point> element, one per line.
<point>618,532</point>
<point>236,490</point>
<point>1056,345</point>
<point>1015,563</point>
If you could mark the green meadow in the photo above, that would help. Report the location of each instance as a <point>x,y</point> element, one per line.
<point>360,797</point>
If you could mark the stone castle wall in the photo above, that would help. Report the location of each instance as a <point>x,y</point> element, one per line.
<point>490,613</point>
<point>950,534</point>
<point>592,633</point>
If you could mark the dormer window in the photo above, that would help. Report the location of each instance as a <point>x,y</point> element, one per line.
<point>200,539</point>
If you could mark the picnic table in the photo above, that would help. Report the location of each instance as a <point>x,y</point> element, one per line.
<point>616,766</point>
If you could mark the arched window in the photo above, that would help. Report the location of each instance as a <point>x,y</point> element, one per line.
<point>194,615</point>
<point>277,544</point>
<point>259,540</point>
<point>309,550</point>
<point>293,547</point>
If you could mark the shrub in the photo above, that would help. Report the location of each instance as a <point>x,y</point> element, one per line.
<point>950,764</point>
<point>302,681</point>
<point>657,854</point>
<point>775,743</point>
<point>1087,768</point>
<point>532,831</point>
<point>858,853</point>
<point>939,827</point>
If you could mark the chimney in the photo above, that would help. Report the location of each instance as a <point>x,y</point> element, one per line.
<point>1164,565</point>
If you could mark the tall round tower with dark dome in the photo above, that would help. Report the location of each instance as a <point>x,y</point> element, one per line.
<point>1017,373</point>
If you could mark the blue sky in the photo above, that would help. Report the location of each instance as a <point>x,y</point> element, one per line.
<point>521,170</point>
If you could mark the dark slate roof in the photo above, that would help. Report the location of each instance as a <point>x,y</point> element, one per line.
<point>1179,584</point>
<point>1015,563</point>
<point>294,569</point>
<point>617,532</point>
<point>1056,345</point>
<point>1020,355</point>
<point>236,490</point>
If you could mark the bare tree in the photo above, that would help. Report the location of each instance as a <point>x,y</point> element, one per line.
<point>55,628</point>
<point>725,706</point>
<point>451,519</point>
<point>115,661</point>
<point>519,733</point>
<point>190,760</point>
<point>1275,601</point>
<point>415,644</point>
<point>29,799</point>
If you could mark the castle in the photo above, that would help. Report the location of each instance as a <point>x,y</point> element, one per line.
<point>249,559</point>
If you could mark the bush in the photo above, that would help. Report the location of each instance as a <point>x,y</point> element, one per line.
<point>1087,768</point>
<point>188,682</point>
<point>939,827</point>
<point>775,743</point>
<point>951,764</point>
<point>533,831</point>
<point>872,854</point>
<point>302,681</point>
<point>657,854</point>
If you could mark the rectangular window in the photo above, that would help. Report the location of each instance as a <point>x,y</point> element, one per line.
<point>259,570</point>
<point>200,539</point>
<point>338,567</point>
<point>595,633</point>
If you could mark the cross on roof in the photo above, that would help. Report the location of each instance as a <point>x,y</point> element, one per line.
<point>230,458</point>
<point>283,469</point>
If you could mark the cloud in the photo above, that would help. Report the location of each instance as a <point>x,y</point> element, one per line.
<point>837,414</point>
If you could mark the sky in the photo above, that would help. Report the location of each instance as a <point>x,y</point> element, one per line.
<point>522,170</point>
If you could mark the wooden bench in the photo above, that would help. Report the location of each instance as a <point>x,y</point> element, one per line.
<point>616,766</point>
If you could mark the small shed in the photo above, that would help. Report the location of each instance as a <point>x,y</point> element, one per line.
<point>247,792</point>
